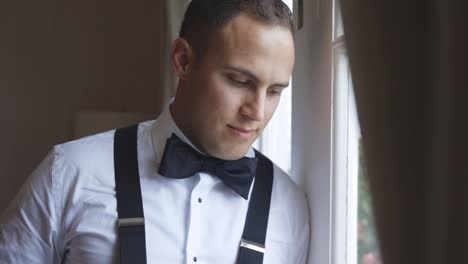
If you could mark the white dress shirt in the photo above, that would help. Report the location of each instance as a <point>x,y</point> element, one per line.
<point>66,211</point>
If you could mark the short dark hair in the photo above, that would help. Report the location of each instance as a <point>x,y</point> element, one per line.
<point>203,17</point>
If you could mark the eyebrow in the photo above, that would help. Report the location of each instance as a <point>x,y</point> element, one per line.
<point>251,75</point>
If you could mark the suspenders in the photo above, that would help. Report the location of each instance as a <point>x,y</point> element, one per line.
<point>252,245</point>
<point>131,222</point>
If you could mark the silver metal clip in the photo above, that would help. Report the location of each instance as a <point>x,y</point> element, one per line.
<point>131,221</point>
<point>252,245</point>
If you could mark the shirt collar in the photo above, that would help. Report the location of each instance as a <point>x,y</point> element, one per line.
<point>163,128</point>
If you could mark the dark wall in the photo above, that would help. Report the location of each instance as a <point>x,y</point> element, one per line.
<point>60,57</point>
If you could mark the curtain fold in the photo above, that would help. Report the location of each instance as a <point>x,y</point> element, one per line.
<point>409,66</point>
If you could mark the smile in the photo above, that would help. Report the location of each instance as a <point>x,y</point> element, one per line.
<point>244,133</point>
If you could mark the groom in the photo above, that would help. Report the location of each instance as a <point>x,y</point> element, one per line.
<point>186,187</point>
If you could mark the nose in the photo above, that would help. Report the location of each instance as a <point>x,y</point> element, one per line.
<point>254,107</point>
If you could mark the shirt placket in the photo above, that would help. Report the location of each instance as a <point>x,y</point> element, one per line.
<point>199,193</point>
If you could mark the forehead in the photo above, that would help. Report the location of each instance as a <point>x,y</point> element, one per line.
<point>250,43</point>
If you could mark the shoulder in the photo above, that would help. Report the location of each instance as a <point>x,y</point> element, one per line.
<point>83,174</point>
<point>89,153</point>
<point>86,159</point>
<point>286,193</point>
<point>94,151</point>
<point>289,234</point>
<point>289,211</point>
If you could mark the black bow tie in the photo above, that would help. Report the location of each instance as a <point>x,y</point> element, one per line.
<point>181,161</point>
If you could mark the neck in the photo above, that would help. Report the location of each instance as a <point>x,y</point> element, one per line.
<point>178,114</point>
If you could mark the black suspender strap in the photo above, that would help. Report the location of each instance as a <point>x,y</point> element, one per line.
<point>252,246</point>
<point>131,222</point>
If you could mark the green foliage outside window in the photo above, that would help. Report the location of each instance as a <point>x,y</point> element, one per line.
<point>368,248</point>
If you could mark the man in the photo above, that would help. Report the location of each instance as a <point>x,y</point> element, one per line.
<point>233,59</point>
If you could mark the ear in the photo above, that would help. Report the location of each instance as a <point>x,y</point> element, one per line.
<point>182,57</point>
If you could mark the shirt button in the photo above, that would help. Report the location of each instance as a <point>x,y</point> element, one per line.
<point>199,200</point>
<point>194,259</point>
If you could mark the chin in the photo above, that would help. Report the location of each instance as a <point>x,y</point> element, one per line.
<point>226,153</point>
<point>234,154</point>
<point>230,151</point>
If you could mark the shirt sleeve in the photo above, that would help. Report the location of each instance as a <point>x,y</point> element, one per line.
<point>29,228</point>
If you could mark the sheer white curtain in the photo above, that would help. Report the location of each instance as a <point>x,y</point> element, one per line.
<point>174,13</point>
<point>408,61</point>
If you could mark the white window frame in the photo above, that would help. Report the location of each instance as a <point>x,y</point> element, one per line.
<point>345,160</point>
<point>324,154</point>
<point>311,122</point>
<point>325,136</point>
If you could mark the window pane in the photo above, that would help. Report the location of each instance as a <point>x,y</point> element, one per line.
<point>289,3</point>
<point>277,135</point>
<point>363,247</point>
<point>337,21</point>
<point>368,249</point>
<point>367,244</point>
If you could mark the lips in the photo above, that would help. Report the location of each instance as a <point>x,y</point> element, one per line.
<point>243,132</point>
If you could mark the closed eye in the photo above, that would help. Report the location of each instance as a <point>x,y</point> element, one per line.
<point>238,81</point>
<point>275,91</point>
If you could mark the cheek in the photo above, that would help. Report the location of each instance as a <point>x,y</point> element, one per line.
<point>217,103</point>
<point>274,102</point>
<point>223,97</point>
<point>207,95</point>
<point>270,109</point>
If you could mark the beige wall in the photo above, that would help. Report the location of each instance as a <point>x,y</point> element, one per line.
<point>60,57</point>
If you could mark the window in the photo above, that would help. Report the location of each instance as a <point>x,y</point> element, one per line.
<point>328,163</point>
<point>353,235</point>
<point>275,141</point>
